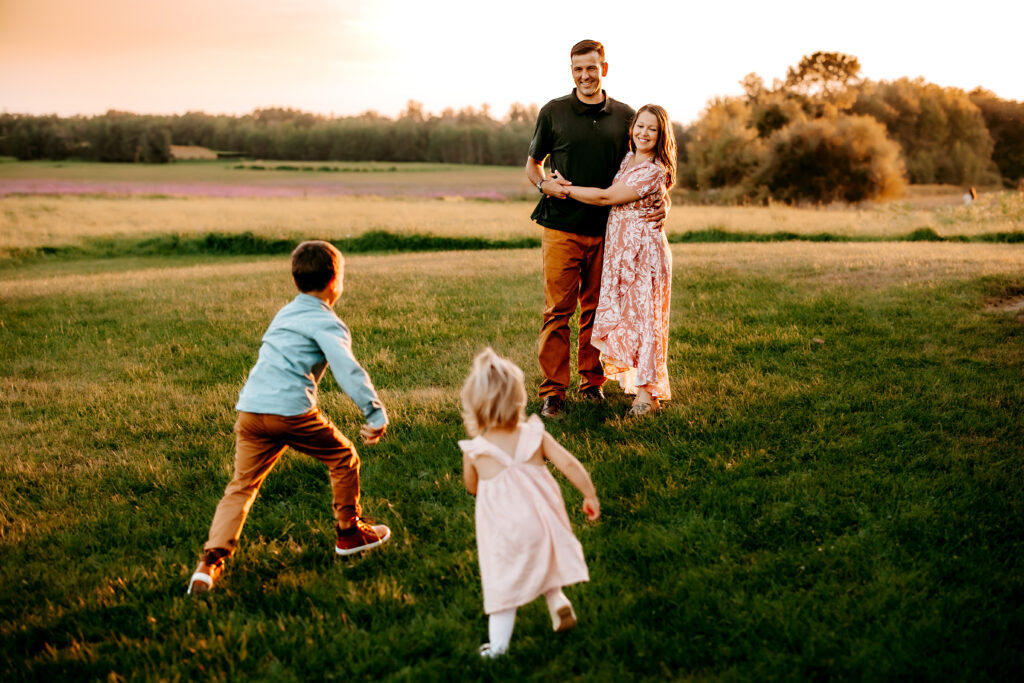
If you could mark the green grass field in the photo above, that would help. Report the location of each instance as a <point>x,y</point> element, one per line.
<point>836,492</point>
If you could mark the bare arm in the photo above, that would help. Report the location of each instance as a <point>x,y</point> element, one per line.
<point>553,185</point>
<point>619,193</point>
<point>574,471</point>
<point>469,475</point>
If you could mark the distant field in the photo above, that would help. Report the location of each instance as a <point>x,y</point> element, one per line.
<point>32,221</point>
<point>225,179</point>
<point>82,201</point>
<point>38,221</point>
<point>943,213</point>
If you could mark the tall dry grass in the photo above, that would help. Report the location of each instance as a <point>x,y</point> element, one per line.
<point>37,221</point>
<point>939,209</point>
<point>30,221</point>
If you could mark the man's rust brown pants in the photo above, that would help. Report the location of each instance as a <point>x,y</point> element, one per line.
<point>572,273</point>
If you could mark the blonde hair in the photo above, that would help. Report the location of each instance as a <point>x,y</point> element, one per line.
<point>494,394</point>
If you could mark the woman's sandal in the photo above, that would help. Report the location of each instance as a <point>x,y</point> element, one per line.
<point>640,409</point>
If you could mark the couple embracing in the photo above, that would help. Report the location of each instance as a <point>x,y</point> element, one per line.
<point>614,262</point>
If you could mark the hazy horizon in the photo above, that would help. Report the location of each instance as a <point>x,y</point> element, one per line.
<point>344,58</point>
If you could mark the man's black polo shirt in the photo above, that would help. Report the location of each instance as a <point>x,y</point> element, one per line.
<point>586,144</point>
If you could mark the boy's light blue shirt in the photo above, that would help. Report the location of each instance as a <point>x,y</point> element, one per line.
<point>304,337</point>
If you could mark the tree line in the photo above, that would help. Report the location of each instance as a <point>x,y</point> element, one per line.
<point>824,134</point>
<point>467,136</point>
<point>821,134</point>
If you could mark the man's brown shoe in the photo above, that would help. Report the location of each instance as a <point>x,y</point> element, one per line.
<point>553,406</point>
<point>594,394</point>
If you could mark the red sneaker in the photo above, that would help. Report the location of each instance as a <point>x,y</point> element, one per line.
<point>361,536</point>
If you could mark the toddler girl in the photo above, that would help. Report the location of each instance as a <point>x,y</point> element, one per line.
<point>524,541</point>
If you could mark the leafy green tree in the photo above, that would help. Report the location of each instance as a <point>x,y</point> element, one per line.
<point>773,111</point>
<point>1005,122</point>
<point>770,108</point>
<point>723,148</point>
<point>39,137</point>
<point>792,141</point>
<point>519,114</point>
<point>848,158</point>
<point>824,82</point>
<point>941,131</point>
<point>277,115</point>
<point>823,74</point>
<point>155,144</point>
<point>192,128</point>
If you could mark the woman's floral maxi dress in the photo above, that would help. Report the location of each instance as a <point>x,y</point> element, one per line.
<point>631,324</point>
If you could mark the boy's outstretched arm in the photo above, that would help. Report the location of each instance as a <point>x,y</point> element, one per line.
<point>573,469</point>
<point>335,342</point>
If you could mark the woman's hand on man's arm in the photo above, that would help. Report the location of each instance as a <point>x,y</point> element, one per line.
<point>659,212</point>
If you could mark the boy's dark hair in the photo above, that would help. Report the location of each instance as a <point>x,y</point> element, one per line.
<point>586,46</point>
<point>315,264</point>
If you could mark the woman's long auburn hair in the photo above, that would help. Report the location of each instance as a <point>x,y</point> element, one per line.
<point>665,146</point>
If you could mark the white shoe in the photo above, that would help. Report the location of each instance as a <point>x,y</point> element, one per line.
<point>562,616</point>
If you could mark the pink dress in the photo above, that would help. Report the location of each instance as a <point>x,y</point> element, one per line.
<point>523,537</point>
<point>631,323</point>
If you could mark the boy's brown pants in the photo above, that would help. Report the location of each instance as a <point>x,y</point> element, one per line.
<point>260,439</point>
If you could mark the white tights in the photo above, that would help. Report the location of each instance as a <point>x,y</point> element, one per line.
<point>499,628</point>
<point>501,624</point>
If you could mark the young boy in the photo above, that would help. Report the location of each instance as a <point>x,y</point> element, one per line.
<point>277,408</point>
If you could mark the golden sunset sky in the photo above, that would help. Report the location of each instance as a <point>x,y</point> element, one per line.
<point>345,57</point>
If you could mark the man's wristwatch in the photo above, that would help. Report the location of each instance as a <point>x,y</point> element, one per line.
<point>539,183</point>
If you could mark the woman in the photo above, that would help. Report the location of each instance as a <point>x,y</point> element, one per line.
<point>631,325</point>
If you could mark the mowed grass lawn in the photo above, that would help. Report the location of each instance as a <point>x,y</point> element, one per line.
<point>836,490</point>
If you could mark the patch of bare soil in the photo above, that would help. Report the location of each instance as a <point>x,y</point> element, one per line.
<point>1008,304</point>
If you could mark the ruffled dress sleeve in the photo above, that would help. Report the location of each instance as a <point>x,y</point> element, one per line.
<point>480,446</point>
<point>530,439</point>
<point>473,447</point>
<point>645,179</point>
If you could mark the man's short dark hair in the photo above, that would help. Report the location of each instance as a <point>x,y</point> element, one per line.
<point>315,264</point>
<point>585,47</point>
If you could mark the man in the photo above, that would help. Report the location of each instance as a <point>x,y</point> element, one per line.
<point>584,135</point>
